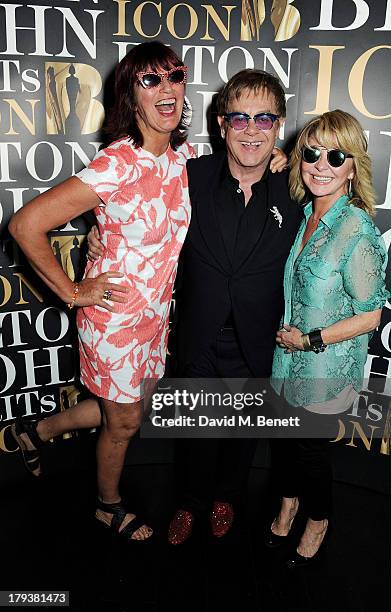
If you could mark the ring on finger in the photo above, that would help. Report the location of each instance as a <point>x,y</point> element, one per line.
<point>107,294</point>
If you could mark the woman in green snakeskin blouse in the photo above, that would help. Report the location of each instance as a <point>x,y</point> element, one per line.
<point>334,285</point>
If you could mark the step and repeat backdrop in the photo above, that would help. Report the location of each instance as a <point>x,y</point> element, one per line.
<point>56,68</point>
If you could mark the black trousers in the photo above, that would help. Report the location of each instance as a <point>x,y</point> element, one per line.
<point>211,469</point>
<point>303,468</point>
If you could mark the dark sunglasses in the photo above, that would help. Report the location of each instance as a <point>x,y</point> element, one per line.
<point>335,157</point>
<point>175,76</point>
<point>239,121</point>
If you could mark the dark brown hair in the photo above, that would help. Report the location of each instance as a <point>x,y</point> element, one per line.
<point>254,81</point>
<point>122,118</point>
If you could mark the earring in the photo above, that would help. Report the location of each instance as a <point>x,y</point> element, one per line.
<point>350,193</point>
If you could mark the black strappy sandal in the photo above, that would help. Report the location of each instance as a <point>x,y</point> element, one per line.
<point>119,512</point>
<point>31,457</point>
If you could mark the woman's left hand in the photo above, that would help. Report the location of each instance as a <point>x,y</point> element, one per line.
<point>290,338</point>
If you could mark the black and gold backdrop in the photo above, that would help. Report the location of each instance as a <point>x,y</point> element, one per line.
<point>55,65</point>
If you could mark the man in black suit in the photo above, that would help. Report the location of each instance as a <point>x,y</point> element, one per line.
<point>231,297</point>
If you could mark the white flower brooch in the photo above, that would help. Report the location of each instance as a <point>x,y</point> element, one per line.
<point>277,215</point>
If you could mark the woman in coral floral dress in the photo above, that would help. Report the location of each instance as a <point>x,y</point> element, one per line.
<point>143,225</point>
<point>138,189</point>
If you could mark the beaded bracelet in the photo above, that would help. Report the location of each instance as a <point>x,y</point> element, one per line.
<point>74,296</point>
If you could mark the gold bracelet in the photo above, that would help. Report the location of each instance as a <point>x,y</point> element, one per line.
<point>306,342</point>
<point>74,296</point>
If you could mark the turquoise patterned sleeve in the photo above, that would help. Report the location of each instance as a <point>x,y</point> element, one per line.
<point>364,274</point>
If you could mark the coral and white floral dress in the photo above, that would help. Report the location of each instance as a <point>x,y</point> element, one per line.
<point>142,219</point>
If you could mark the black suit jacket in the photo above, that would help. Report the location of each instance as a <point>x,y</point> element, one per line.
<point>251,287</point>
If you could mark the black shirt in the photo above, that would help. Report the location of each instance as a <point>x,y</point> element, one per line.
<point>235,219</point>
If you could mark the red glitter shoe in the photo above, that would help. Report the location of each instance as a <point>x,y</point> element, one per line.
<point>221,518</point>
<point>181,527</point>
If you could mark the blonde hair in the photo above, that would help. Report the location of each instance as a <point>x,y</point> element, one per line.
<point>336,128</point>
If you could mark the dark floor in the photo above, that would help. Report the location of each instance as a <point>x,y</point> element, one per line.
<point>48,540</point>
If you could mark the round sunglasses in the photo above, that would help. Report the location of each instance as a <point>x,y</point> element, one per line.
<point>239,121</point>
<point>175,76</point>
<point>335,157</point>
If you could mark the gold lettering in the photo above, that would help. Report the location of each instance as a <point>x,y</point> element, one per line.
<point>68,398</point>
<point>193,21</point>
<point>285,18</point>
<point>121,18</point>
<point>341,431</point>
<point>62,247</point>
<point>211,12</point>
<point>324,79</point>
<point>89,111</point>
<point>385,447</point>
<point>356,82</point>
<point>23,281</point>
<point>253,16</point>
<point>7,290</point>
<point>29,124</point>
<point>3,446</point>
<point>138,15</point>
<point>357,427</point>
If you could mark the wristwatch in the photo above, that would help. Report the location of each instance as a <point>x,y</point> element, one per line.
<point>313,341</point>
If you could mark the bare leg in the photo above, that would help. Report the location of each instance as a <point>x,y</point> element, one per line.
<point>312,537</point>
<point>120,423</point>
<point>282,523</point>
<point>84,415</point>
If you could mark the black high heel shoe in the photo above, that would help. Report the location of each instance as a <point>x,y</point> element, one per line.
<point>273,540</point>
<point>299,560</point>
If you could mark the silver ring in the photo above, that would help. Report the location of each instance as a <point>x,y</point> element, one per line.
<point>107,294</point>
